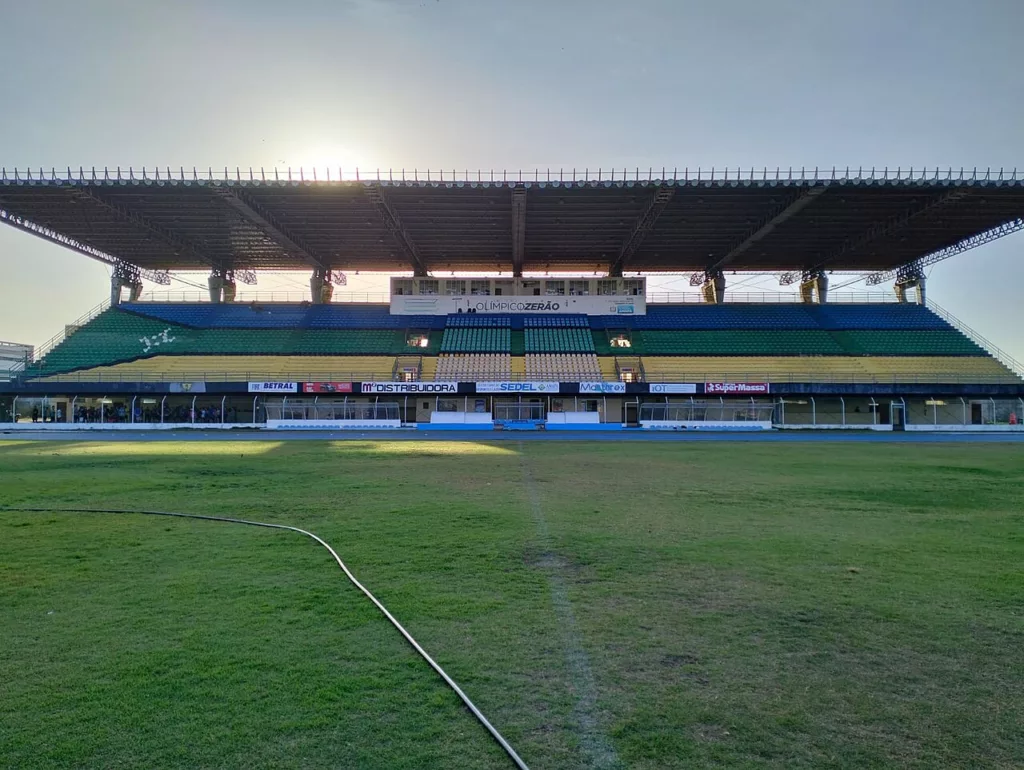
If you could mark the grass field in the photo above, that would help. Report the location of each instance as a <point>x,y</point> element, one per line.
<point>606,605</point>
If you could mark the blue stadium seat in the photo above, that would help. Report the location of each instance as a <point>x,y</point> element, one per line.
<point>838,317</point>
<point>478,321</point>
<point>208,315</point>
<point>556,321</point>
<point>695,317</point>
<point>876,317</point>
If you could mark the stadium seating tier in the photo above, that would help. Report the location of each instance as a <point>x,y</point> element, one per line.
<point>240,368</point>
<point>853,369</point>
<point>562,367</point>
<point>857,343</point>
<point>281,316</point>
<point>780,316</point>
<point>115,336</point>
<point>474,367</point>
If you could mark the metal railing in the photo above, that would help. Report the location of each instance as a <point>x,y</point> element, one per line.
<point>997,353</point>
<point>58,338</point>
<point>653,298</point>
<point>837,378</point>
<point>587,175</point>
<point>769,297</point>
<point>273,295</point>
<point>214,376</point>
<point>796,376</point>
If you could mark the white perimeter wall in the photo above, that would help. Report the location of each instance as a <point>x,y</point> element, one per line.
<point>820,426</point>
<point>334,424</point>
<point>574,418</point>
<point>100,426</point>
<point>965,428</point>
<point>461,418</point>
<point>705,425</point>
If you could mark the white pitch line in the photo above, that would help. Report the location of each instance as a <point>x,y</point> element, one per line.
<point>596,745</point>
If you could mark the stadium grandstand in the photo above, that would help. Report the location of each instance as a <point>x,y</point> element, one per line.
<point>518,301</point>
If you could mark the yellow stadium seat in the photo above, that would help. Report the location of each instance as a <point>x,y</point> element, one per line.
<point>428,368</point>
<point>935,369</point>
<point>609,372</point>
<point>228,368</point>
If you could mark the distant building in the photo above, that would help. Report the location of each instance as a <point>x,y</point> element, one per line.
<point>13,355</point>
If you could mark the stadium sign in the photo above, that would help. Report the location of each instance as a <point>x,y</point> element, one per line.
<point>736,388</point>
<point>673,387</point>
<point>561,305</point>
<point>602,387</point>
<point>327,387</point>
<point>517,387</point>
<point>409,387</point>
<point>273,387</point>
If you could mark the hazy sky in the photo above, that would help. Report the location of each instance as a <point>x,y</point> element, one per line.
<point>507,84</point>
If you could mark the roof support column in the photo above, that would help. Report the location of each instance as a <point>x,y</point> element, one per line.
<point>910,279</point>
<point>216,285</point>
<point>821,284</point>
<point>115,291</point>
<point>230,288</point>
<point>814,284</point>
<point>316,287</point>
<point>713,288</point>
<point>125,274</point>
<point>321,288</point>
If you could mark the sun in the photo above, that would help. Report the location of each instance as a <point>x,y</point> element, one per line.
<point>333,157</point>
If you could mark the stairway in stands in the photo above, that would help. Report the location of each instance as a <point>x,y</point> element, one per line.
<point>629,369</point>
<point>407,368</point>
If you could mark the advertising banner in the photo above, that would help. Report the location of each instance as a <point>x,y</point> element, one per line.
<point>603,387</point>
<point>327,387</point>
<point>517,387</point>
<point>560,305</point>
<point>273,387</point>
<point>398,388</point>
<point>735,388</point>
<point>334,424</point>
<point>665,388</point>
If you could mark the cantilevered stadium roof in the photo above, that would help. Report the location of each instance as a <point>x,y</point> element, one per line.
<point>536,221</point>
